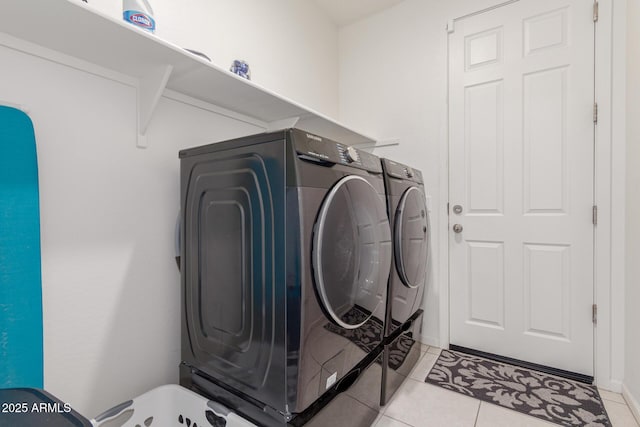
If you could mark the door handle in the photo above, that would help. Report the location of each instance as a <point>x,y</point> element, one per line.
<point>457,228</point>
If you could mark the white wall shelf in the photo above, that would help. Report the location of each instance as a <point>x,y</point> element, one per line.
<point>74,28</point>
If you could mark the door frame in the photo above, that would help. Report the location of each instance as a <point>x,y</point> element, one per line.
<point>609,193</point>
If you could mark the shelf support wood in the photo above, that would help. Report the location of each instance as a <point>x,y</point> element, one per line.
<point>149,91</point>
<point>393,142</point>
<point>287,123</point>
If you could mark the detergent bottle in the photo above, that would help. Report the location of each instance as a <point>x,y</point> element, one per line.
<point>139,12</point>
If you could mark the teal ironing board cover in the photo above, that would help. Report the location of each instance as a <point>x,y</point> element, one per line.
<point>21,340</point>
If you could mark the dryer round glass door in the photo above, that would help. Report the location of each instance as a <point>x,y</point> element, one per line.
<point>352,252</point>
<point>411,238</point>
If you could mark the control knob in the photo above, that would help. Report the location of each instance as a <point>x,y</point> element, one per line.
<point>352,154</point>
<point>409,173</point>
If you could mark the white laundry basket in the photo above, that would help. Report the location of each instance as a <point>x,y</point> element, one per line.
<point>169,405</point>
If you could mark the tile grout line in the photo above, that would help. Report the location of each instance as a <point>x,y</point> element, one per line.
<point>614,401</point>
<point>475,423</point>
<point>623,404</point>
<point>400,421</point>
<point>419,381</point>
<point>611,400</point>
<point>386,406</point>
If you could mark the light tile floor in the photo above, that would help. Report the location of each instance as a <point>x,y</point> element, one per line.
<point>419,404</point>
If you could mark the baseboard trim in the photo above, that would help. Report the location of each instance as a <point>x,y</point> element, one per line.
<point>611,385</point>
<point>430,341</point>
<point>633,404</point>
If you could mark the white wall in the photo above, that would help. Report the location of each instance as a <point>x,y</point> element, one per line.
<point>632,342</point>
<point>290,45</point>
<point>393,84</point>
<point>108,210</point>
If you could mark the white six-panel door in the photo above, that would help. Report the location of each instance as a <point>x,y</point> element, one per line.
<point>521,171</point>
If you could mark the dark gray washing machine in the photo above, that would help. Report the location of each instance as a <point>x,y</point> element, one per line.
<point>286,251</point>
<point>409,221</point>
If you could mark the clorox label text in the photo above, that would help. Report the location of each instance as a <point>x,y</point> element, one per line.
<point>140,19</point>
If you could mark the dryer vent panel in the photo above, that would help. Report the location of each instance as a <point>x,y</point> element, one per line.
<point>230,258</point>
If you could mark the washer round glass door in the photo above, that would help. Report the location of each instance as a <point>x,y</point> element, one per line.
<point>411,238</point>
<point>352,252</point>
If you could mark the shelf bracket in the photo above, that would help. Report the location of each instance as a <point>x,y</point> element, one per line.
<point>149,91</point>
<point>287,123</point>
<point>393,142</point>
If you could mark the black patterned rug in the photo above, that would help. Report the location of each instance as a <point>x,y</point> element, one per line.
<point>369,335</point>
<point>534,393</point>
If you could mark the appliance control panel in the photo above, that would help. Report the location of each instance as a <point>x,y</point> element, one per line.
<point>400,171</point>
<point>315,148</point>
